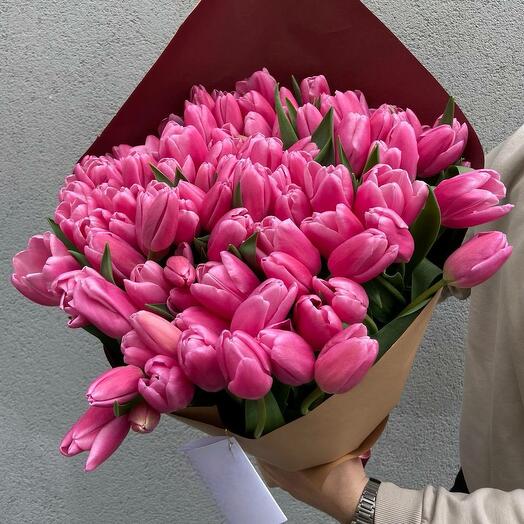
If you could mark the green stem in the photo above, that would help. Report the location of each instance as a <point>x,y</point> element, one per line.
<point>315,395</point>
<point>392,289</point>
<point>370,324</point>
<point>425,295</point>
<point>261,417</point>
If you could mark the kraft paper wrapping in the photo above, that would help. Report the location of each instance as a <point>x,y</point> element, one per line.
<point>344,424</point>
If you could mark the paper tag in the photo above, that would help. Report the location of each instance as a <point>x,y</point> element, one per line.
<point>233,481</point>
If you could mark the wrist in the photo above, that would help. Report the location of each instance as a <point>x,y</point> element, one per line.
<point>366,507</point>
<point>350,498</point>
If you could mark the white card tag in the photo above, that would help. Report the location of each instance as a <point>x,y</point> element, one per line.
<point>233,481</point>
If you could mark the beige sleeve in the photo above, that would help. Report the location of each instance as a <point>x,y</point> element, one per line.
<point>438,506</point>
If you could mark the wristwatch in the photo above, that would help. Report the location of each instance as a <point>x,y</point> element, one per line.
<point>365,512</point>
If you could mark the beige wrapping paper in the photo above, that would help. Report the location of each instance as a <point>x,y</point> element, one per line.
<point>344,424</point>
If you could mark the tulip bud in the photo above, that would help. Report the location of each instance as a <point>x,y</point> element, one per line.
<point>201,316</point>
<point>268,304</point>
<point>312,87</point>
<point>471,198</point>
<point>223,286</point>
<point>156,332</point>
<point>179,142</point>
<point>294,204</point>
<point>244,364</point>
<point>355,136</point>
<point>118,384</point>
<point>166,389</point>
<point>292,358</point>
<point>296,162</point>
<point>288,269</point>
<point>227,111</point>
<point>157,218</point>
<point>254,101</point>
<point>36,268</point>
<point>170,166</point>
<point>343,104</point>
<point>199,95</point>
<point>266,151</point>
<point>205,176</point>
<point>440,146</point>
<point>260,81</point>
<point>232,229</point>
<point>328,186</point>
<point>147,284</point>
<point>391,188</point>
<point>403,137</point>
<point>179,299</point>
<point>103,305</point>
<point>308,119</point>
<point>345,359</point>
<point>179,271</point>
<point>198,358</point>
<point>314,322</point>
<point>216,203</point>
<point>143,418</point>
<point>135,351</point>
<point>255,123</point>
<point>201,118</point>
<point>136,169</point>
<point>396,230</point>
<point>363,256</point>
<point>347,298</point>
<point>329,229</point>
<point>94,171</point>
<point>477,259</point>
<point>97,431</point>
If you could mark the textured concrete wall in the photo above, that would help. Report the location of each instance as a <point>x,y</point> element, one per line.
<point>66,67</point>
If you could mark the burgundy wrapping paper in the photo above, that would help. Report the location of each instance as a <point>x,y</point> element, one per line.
<point>226,40</point>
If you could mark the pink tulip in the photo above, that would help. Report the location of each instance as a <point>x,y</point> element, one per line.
<point>166,388</point>
<point>308,119</point>
<point>227,111</point>
<point>198,358</point>
<point>118,384</point>
<point>143,418</point>
<point>266,151</point>
<point>245,365</point>
<point>157,218</point>
<point>122,226</point>
<point>254,101</point>
<point>392,156</point>
<point>440,146</point>
<point>201,316</point>
<point>345,359</point>
<point>104,305</point>
<point>260,81</point>
<point>256,187</point>
<point>94,170</point>
<point>471,198</point>
<point>296,162</point>
<point>36,268</point>
<point>188,222</point>
<point>315,322</point>
<point>292,358</point>
<point>348,299</point>
<point>201,118</point>
<point>179,271</point>
<point>147,284</point>
<point>285,94</point>
<point>268,304</point>
<point>199,95</point>
<point>355,137</point>
<point>170,166</point>
<point>288,269</point>
<point>179,142</point>
<point>232,229</point>
<point>329,229</point>
<point>363,256</point>
<point>180,298</point>
<point>312,87</point>
<point>222,287</point>
<point>477,259</point>
<point>403,137</point>
<point>135,351</point>
<point>344,103</point>
<point>391,188</point>
<point>255,123</point>
<point>395,229</point>
<point>156,332</point>
<point>386,116</point>
<point>294,204</point>
<point>136,169</point>
<point>285,236</point>
<point>77,229</point>
<point>184,250</point>
<point>328,186</point>
<point>216,203</point>
<point>97,431</point>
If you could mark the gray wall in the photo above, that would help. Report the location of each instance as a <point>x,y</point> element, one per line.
<point>66,67</point>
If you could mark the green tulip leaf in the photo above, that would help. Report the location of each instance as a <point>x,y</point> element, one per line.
<point>323,134</point>
<point>449,112</point>
<point>124,409</point>
<point>79,257</point>
<point>106,267</point>
<point>237,196</point>
<point>326,156</point>
<point>179,176</point>
<point>160,177</point>
<point>344,161</point>
<point>292,112</point>
<point>423,276</point>
<point>373,159</point>
<point>248,250</point>
<point>234,251</point>
<point>161,310</point>
<point>425,231</point>
<point>250,416</point>
<point>296,90</point>
<point>287,133</point>
<point>111,346</point>
<point>61,235</point>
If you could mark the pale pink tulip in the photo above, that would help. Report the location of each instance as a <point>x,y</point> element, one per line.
<point>156,332</point>
<point>143,418</point>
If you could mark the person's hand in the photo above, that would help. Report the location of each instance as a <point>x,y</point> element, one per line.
<point>334,488</point>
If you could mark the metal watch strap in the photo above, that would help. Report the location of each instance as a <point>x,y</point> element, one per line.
<point>365,512</point>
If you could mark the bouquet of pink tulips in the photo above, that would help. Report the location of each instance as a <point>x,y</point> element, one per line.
<point>258,255</point>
